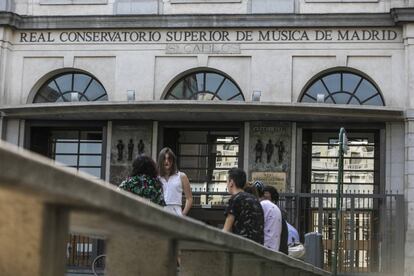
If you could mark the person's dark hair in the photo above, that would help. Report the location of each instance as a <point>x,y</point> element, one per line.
<point>238,176</point>
<point>248,188</point>
<point>259,186</point>
<point>273,193</point>
<point>144,165</point>
<point>161,158</point>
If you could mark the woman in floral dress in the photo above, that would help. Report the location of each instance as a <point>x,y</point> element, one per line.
<point>144,180</point>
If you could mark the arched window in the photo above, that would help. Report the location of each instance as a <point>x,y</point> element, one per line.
<point>342,87</point>
<point>205,86</point>
<point>69,87</point>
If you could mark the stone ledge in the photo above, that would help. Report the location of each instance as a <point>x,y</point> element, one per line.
<point>203,111</point>
<point>198,21</point>
<point>403,15</point>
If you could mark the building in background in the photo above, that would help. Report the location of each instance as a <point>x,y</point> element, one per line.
<point>259,84</point>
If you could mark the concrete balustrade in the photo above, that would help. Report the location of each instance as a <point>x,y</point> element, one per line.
<point>40,203</point>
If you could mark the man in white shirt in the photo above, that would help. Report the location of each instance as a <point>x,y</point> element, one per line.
<point>272,219</point>
<point>293,234</point>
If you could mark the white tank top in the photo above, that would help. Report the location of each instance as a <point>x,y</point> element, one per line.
<point>173,189</point>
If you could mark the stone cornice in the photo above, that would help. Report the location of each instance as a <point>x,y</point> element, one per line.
<point>206,21</point>
<point>403,15</point>
<point>165,110</point>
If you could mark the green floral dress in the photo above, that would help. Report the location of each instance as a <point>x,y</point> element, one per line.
<point>145,186</point>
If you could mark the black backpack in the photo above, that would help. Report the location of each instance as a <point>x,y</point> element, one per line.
<point>283,247</point>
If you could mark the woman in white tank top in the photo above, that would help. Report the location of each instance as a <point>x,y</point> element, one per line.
<point>174,183</point>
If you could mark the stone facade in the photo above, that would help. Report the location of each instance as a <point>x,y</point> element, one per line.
<point>272,50</point>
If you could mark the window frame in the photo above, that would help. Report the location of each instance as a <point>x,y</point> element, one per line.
<point>61,94</point>
<point>341,72</point>
<point>183,79</point>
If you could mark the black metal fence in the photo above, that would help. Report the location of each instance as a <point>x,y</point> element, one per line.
<point>372,226</point>
<point>81,252</point>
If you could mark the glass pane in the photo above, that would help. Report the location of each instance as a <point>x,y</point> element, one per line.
<point>93,171</point>
<point>375,101</point>
<point>226,162</point>
<point>350,81</point>
<point>341,98</point>
<point>193,137</point>
<point>213,81</point>
<point>331,188</point>
<point>204,97</point>
<point>315,89</point>
<point>227,90</point>
<point>191,83</point>
<point>178,91</point>
<point>307,99</point>
<point>198,186</point>
<point>104,98</point>
<point>68,96</point>
<point>354,101</point>
<point>194,149</point>
<point>89,160</point>
<point>365,90</point>
<point>219,175</point>
<point>187,91</point>
<point>81,81</point>
<point>66,147</point>
<point>90,148</point>
<point>94,91</point>
<point>193,162</point>
<point>231,150</point>
<point>65,135</point>
<point>218,187</point>
<point>60,99</point>
<point>64,82</point>
<point>218,199</point>
<point>238,98</point>
<point>200,81</point>
<point>50,93</point>
<point>89,136</point>
<point>358,164</point>
<point>359,178</point>
<point>325,150</point>
<point>349,164</point>
<point>195,175</point>
<point>333,82</point>
<point>39,99</point>
<point>52,87</point>
<point>82,98</point>
<point>68,160</point>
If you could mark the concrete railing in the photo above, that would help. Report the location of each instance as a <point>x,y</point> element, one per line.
<point>41,203</point>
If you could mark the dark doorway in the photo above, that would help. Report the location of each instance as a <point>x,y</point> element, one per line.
<point>205,154</point>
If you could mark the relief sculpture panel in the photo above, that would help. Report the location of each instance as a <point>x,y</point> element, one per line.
<point>128,141</point>
<point>270,153</point>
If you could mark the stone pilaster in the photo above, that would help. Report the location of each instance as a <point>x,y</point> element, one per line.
<point>409,150</point>
<point>409,195</point>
